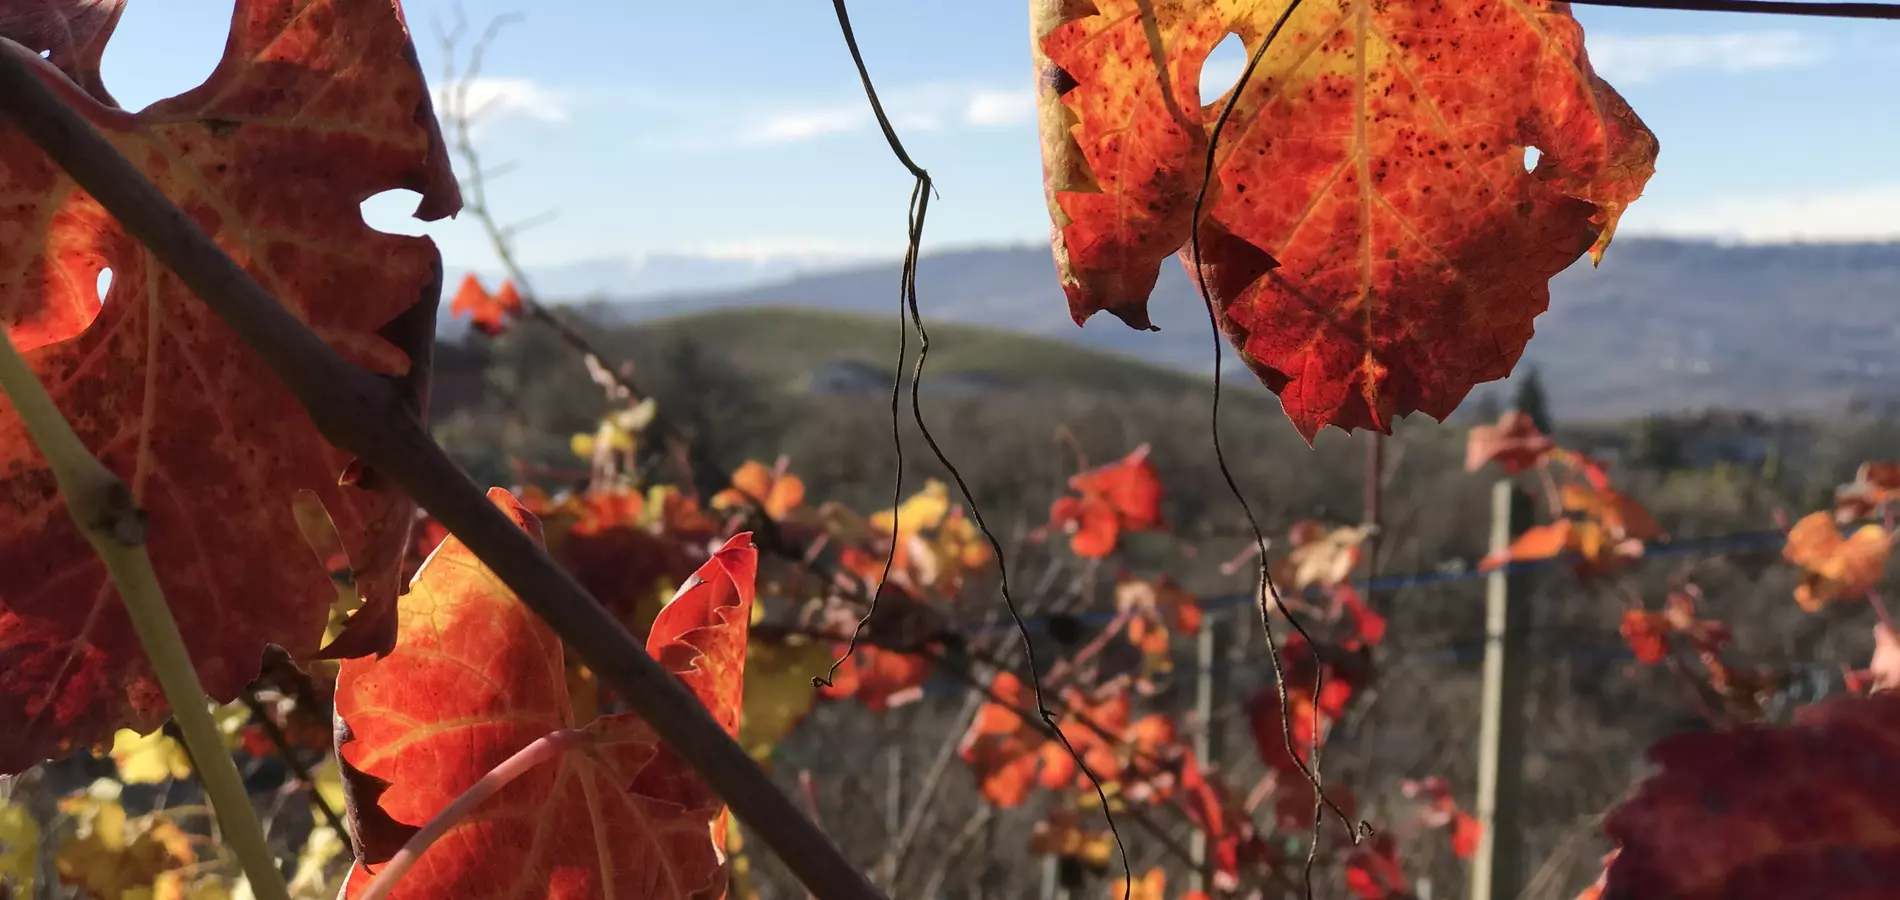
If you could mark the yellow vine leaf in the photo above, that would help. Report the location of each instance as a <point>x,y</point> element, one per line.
<point>778,691</point>
<point>113,855</point>
<point>924,509</point>
<point>19,850</point>
<point>149,758</point>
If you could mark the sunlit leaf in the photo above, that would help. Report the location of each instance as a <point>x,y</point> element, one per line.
<point>476,677</point>
<point>19,849</point>
<point>1373,241</point>
<point>149,759</point>
<point>272,157</point>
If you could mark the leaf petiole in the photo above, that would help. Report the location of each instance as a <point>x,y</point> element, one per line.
<point>546,748</point>
<point>112,521</point>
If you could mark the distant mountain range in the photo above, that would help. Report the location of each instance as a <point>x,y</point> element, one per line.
<point>1662,326</point>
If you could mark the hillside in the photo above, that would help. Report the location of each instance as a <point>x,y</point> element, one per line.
<point>1662,326</point>
<point>828,351</point>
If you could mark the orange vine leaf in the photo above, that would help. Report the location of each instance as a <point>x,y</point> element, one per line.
<point>1620,515</point>
<point>1000,747</point>
<point>880,678</point>
<point>490,314</point>
<point>1150,885</point>
<point>1123,496</point>
<point>1373,242</point>
<point>1804,810</point>
<point>777,492</point>
<point>1514,443</point>
<point>271,157</point>
<point>1060,833</point>
<point>1835,568</point>
<point>1085,725</point>
<point>476,677</point>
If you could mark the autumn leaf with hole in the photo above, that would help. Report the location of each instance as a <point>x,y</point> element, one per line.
<point>271,157</point>
<point>1372,241</point>
<point>1809,809</point>
<point>475,678</point>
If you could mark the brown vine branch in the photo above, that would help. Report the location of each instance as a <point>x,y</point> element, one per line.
<point>362,414</point>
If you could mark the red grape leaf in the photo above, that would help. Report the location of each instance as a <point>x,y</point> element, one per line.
<point>1373,242</point>
<point>474,678</point>
<point>72,34</point>
<point>1373,871</point>
<point>1647,634</point>
<point>315,106</point>
<point>1466,833</point>
<point>1807,810</point>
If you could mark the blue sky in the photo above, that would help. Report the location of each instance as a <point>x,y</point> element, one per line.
<point>736,130</point>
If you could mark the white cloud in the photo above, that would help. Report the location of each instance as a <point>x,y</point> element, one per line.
<point>919,108</point>
<point>1871,213</point>
<point>1632,59</point>
<point>992,108</point>
<point>794,127</point>
<point>488,99</point>
<point>795,249</point>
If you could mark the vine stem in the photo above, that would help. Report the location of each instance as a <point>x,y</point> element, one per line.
<point>547,747</point>
<point>363,414</point>
<point>109,516</point>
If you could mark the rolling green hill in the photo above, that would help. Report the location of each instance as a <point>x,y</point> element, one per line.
<point>796,347</point>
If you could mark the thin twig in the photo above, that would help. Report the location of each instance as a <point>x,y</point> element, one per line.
<point>919,205</point>
<point>1267,591</point>
<point>289,753</point>
<point>899,847</point>
<point>363,414</point>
